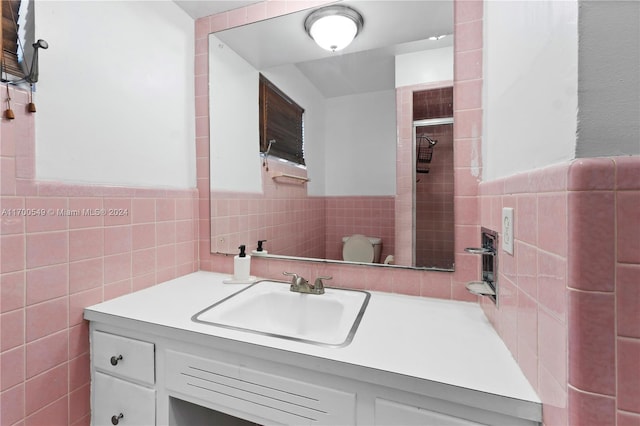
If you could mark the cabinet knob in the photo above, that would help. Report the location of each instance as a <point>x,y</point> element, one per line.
<point>116,419</point>
<point>114,361</point>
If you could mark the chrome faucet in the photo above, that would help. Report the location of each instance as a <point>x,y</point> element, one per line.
<point>301,285</point>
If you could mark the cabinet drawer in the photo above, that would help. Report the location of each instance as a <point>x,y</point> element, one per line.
<point>131,404</point>
<point>124,357</point>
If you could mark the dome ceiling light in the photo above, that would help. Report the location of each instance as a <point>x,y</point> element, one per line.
<point>333,27</point>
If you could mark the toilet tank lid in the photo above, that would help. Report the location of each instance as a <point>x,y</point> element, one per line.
<point>373,240</point>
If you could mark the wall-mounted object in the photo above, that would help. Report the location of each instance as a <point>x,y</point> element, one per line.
<point>31,78</point>
<point>297,179</point>
<point>33,72</point>
<point>480,288</point>
<point>14,37</point>
<point>8,113</point>
<point>31,107</point>
<point>265,155</point>
<point>424,153</point>
<point>507,229</point>
<point>333,27</point>
<point>13,57</point>
<point>489,272</point>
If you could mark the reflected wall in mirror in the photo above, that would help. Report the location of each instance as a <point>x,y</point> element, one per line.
<point>360,176</point>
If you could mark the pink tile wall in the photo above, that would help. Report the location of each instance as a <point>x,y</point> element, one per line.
<point>570,300</point>
<point>292,222</point>
<point>468,112</point>
<point>370,216</point>
<point>318,223</point>
<point>53,265</point>
<point>532,315</point>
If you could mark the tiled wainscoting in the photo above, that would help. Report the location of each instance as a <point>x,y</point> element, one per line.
<point>293,222</point>
<point>570,296</point>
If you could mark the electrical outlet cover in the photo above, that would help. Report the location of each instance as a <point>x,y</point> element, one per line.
<point>507,229</point>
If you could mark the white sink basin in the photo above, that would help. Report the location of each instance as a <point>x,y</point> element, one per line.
<point>270,308</point>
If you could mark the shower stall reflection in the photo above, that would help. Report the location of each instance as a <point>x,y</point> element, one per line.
<point>434,242</point>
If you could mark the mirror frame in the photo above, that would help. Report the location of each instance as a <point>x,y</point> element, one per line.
<point>467,85</point>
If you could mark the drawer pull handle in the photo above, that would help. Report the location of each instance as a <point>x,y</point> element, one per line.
<point>114,361</point>
<point>116,419</point>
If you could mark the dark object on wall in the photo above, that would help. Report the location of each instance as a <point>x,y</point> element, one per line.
<point>8,113</point>
<point>424,153</point>
<point>281,120</point>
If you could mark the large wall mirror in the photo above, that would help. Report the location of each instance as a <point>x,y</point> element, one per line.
<point>356,198</point>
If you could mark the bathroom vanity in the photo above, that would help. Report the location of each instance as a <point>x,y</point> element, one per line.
<point>412,361</point>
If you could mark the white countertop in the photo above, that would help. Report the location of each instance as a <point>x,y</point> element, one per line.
<point>437,340</point>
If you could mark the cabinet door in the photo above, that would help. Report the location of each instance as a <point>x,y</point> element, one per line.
<point>131,404</point>
<point>392,414</point>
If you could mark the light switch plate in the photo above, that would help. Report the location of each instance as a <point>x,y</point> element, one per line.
<point>507,229</point>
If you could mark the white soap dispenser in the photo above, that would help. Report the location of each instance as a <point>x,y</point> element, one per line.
<point>241,269</point>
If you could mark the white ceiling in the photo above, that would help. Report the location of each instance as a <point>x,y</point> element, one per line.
<point>391,27</point>
<point>199,8</point>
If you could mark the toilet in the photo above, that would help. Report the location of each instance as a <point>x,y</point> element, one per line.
<point>360,248</point>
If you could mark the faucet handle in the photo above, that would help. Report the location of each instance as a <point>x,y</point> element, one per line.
<point>318,286</point>
<point>293,275</point>
<point>296,281</point>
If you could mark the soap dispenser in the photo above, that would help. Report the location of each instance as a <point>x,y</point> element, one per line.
<point>241,268</point>
<point>260,250</point>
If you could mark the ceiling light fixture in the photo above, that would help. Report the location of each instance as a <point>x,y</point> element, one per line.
<point>333,27</point>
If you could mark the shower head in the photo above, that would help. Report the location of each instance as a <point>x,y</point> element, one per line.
<point>430,141</point>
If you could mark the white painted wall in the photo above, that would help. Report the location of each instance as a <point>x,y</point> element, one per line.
<point>235,153</point>
<point>530,85</point>
<point>115,98</point>
<point>361,129</point>
<point>609,78</point>
<point>235,163</point>
<point>349,141</point>
<point>361,144</point>
<point>427,66</point>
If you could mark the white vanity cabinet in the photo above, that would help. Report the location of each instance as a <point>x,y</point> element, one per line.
<point>413,361</point>
<point>195,381</point>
